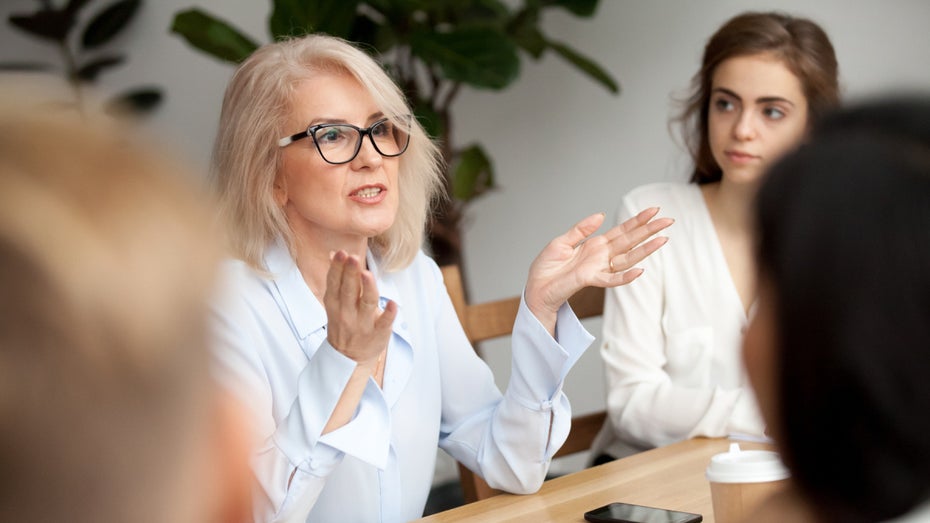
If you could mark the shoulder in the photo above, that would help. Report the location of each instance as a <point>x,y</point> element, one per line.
<point>238,274</point>
<point>662,192</point>
<point>239,285</point>
<point>421,274</point>
<point>672,198</point>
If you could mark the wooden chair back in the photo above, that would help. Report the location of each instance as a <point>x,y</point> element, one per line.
<point>494,319</point>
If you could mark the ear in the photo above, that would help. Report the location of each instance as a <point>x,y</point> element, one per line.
<point>232,476</point>
<point>279,190</point>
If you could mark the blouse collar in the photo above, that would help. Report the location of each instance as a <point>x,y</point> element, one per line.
<point>305,311</point>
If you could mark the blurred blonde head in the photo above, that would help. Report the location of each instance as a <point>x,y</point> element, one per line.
<point>246,156</point>
<point>107,260</point>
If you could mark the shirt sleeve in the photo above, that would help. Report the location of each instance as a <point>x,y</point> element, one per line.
<point>646,407</point>
<point>292,458</point>
<point>508,439</point>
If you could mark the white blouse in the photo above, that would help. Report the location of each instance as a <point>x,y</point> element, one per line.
<point>274,355</point>
<point>672,339</point>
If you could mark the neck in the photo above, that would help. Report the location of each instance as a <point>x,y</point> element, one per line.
<point>313,258</point>
<point>730,204</point>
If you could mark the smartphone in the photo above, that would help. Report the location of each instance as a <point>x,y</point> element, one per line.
<point>627,513</point>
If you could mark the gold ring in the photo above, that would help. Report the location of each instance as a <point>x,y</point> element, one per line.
<point>610,263</point>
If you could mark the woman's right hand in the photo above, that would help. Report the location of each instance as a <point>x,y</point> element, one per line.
<point>357,327</point>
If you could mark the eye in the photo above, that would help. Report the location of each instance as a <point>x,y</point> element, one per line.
<point>773,113</point>
<point>723,105</point>
<point>382,129</point>
<point>330,135</point>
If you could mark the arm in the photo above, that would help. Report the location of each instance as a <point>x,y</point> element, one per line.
<point>510,442</point>
<point>291,405</point>
<point>509,439</point>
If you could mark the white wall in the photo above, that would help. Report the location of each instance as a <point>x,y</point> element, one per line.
<point>563,147</point>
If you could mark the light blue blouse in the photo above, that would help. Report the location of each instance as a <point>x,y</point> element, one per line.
<point>274,355</point>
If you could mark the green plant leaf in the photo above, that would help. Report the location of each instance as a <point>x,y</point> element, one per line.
<point>109,22</point>
<point>366,31</point>
<point>135,102</point>
<point>73,6</point>
<point>473,174</point>
<point>48,24</point>
<point>586,65</point>
<point>212,35</point>
<point>479,57</point>
<point>428,118</point>
<point>298,17</point>
<point>523,29</point>
<point>584,8</point>
<point>23,67</point>
<point>491,13</point>
<point>89,71</point>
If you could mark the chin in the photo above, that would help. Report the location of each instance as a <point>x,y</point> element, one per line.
<point>744,176</point>
<point>377,230</point>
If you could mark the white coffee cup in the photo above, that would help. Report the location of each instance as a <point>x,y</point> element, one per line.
<point>740,479</point>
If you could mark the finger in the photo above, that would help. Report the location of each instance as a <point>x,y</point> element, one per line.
<point>631,224</point>
<point>351,287</point>
<point>386,318</point>
<point>334,275</point>
<point>625,277</point>
<point>624,261</point>
<point>582,229</point>
<point>630,239</point>
<point>369,297</point>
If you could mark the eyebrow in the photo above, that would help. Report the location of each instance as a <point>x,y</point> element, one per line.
<point>761,99</point>
<point>377,115</point>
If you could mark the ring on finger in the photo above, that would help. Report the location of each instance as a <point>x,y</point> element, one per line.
<point>610,263</point>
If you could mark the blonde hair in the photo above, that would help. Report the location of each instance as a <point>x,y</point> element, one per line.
<point>106,265</point>
<point>246,156</point>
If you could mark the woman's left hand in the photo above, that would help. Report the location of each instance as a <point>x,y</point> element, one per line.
<point>577,259</point>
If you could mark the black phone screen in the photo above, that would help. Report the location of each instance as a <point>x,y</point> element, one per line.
<point>627,513</point>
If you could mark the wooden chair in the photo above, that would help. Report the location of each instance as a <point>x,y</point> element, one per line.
<point>494,319</point>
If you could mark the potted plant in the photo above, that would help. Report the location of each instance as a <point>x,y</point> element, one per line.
<point>84,53</point>
<point>432,48</point>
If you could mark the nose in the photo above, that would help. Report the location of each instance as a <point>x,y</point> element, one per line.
<point>368,156</point>
<point>745,126</point>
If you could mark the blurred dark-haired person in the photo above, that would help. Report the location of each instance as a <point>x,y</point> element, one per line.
<point>839,350</point>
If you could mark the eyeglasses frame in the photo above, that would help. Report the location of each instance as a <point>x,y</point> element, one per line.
<point>362,132</point>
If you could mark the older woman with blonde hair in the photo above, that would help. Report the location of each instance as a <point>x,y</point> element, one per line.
<point>336,327</point>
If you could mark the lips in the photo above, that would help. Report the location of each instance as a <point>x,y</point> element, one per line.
<point>369,193</point>
<point>740,156</point>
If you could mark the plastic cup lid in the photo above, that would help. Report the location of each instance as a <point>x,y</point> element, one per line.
<point>746,466</point>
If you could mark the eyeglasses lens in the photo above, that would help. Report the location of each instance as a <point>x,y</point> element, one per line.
<point>340,143</point>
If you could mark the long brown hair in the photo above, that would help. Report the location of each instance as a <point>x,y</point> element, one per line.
<point>801,44</point>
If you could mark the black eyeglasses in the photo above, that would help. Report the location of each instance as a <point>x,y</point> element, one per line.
<point>340,142</point>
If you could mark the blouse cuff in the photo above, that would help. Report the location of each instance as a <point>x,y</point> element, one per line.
<point>320,386</point>
<point>541,362</point>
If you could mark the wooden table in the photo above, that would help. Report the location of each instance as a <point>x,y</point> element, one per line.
<point>668,477</point>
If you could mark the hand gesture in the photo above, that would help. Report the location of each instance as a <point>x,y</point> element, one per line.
<point>357,327</point>
<point>577,259</point>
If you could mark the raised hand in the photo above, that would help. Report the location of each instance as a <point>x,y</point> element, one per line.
<point>357,327</point>
<point>577,259</point>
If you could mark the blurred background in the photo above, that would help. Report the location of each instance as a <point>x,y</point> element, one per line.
<point>562,146</point>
